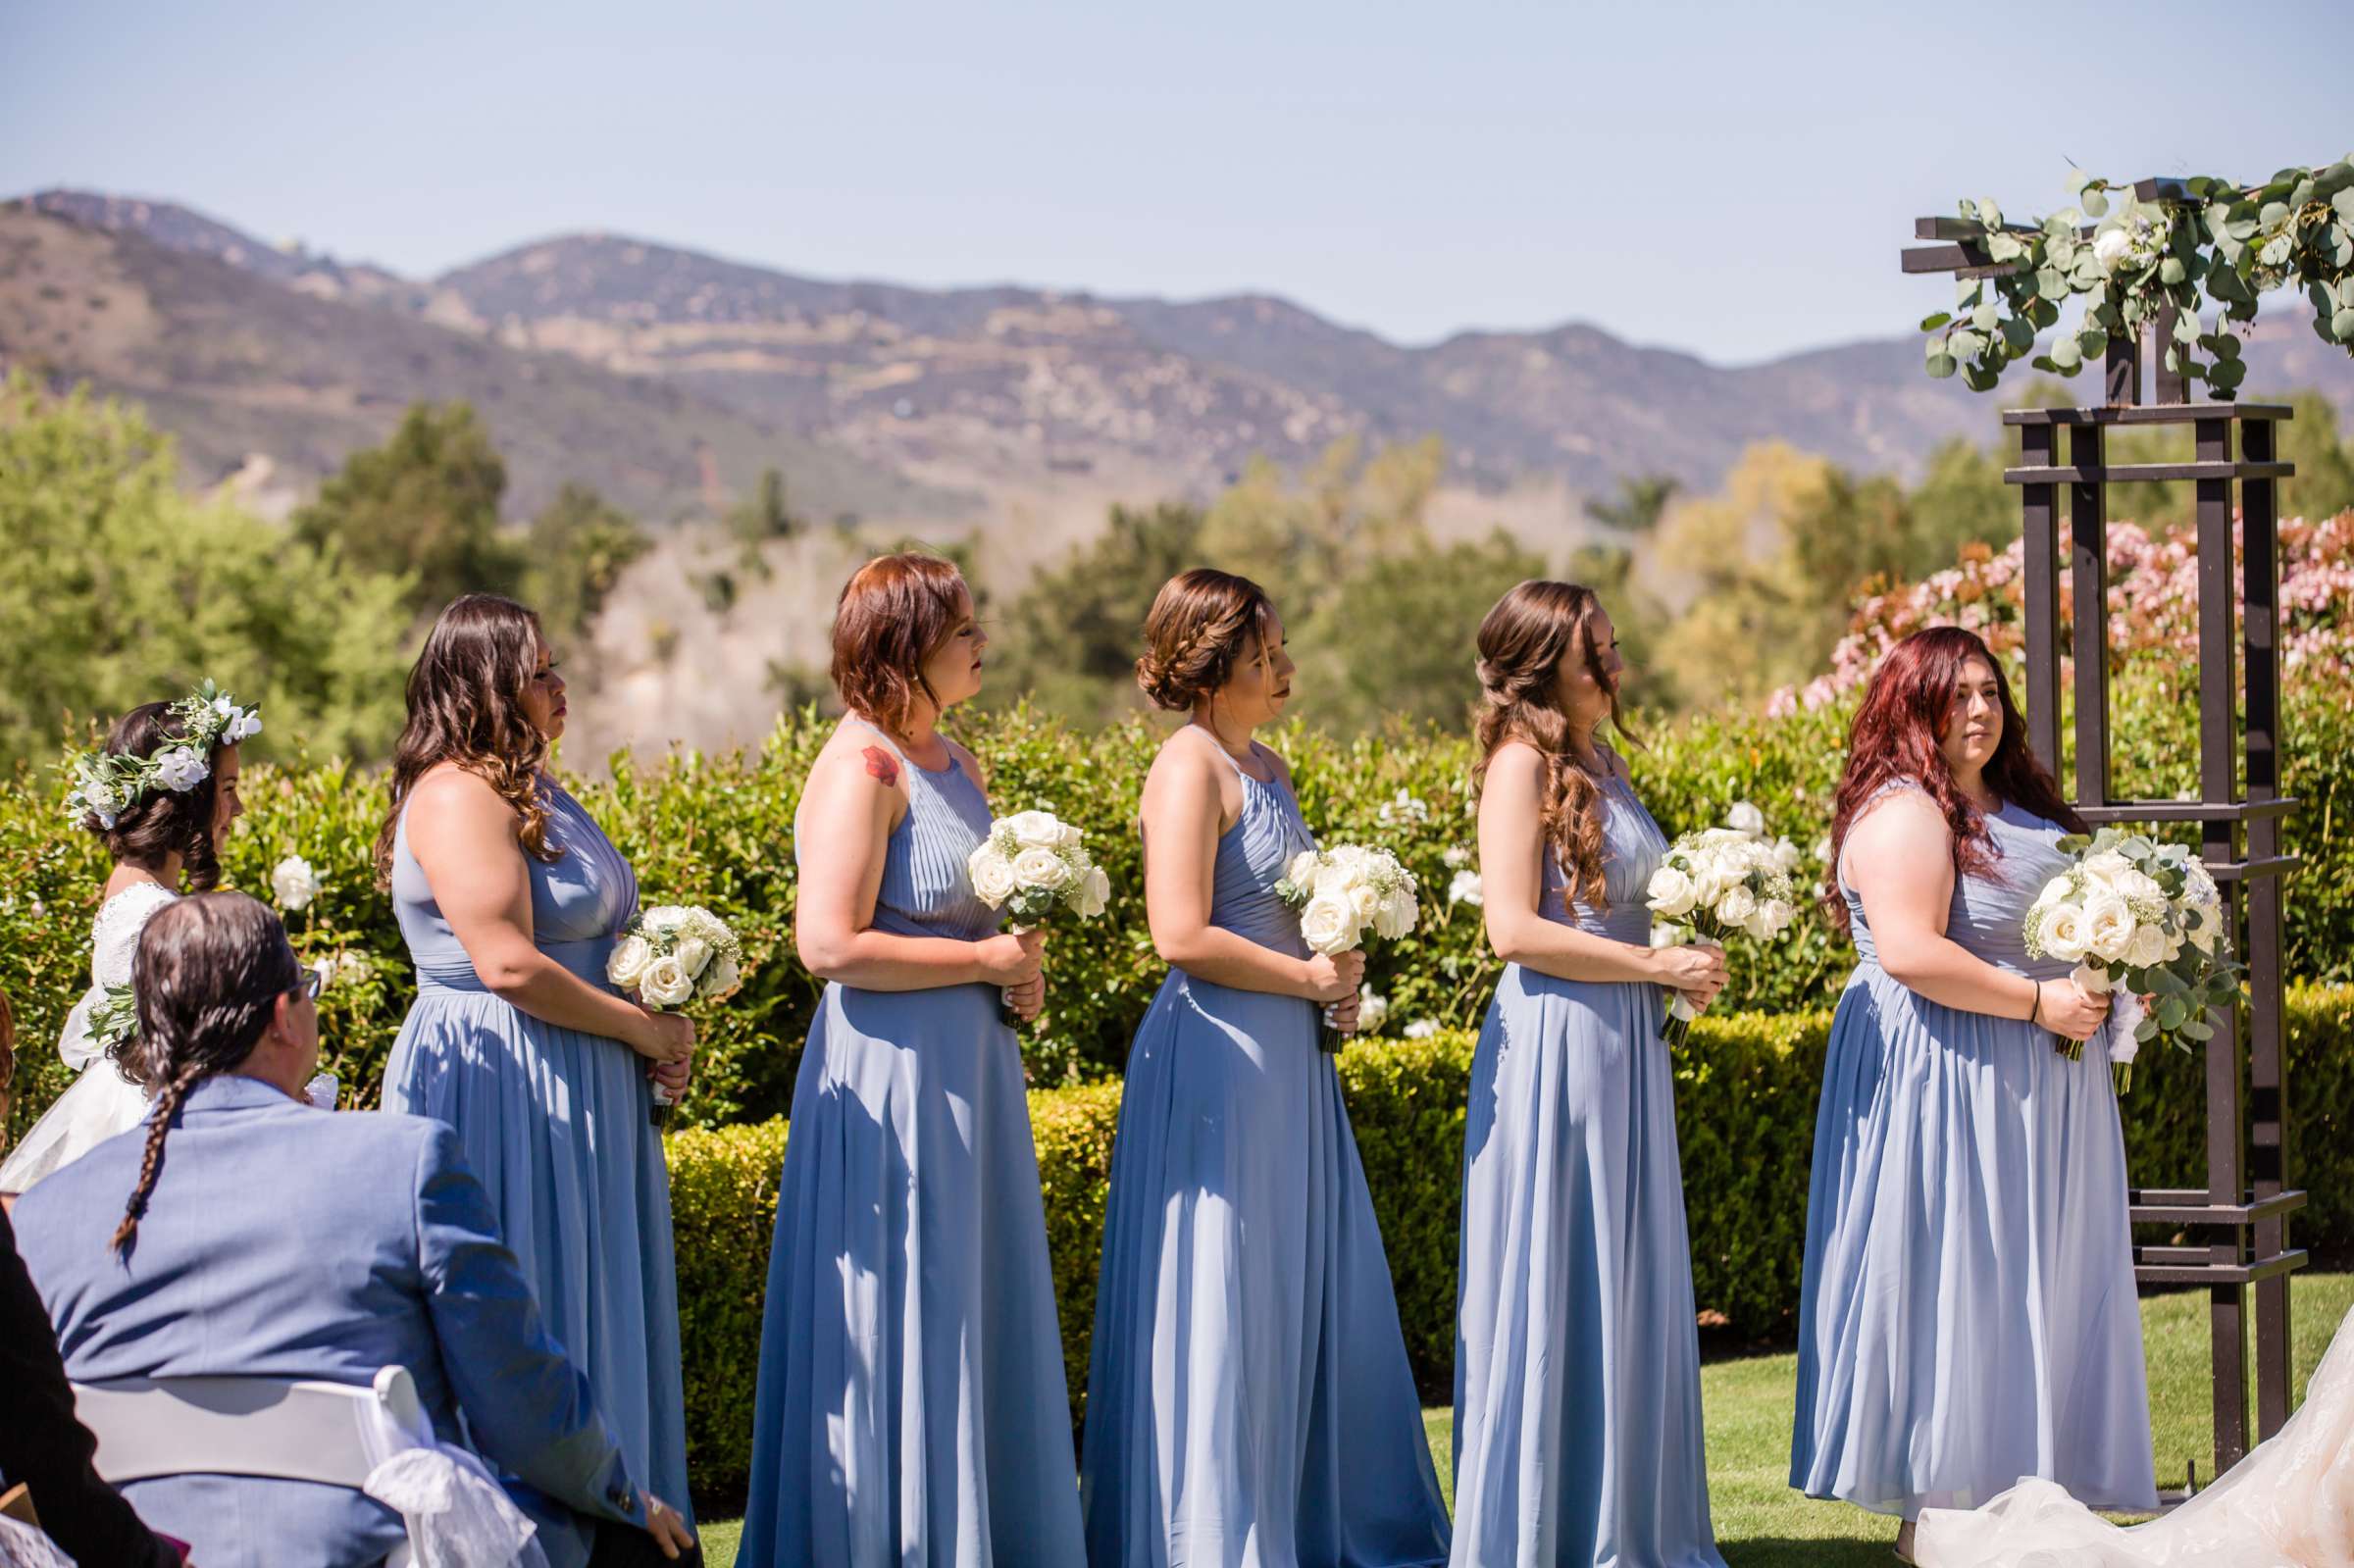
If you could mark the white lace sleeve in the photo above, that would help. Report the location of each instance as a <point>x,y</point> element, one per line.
<point>115,933</point>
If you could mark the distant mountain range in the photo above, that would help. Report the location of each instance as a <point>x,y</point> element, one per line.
<point>669,378</point>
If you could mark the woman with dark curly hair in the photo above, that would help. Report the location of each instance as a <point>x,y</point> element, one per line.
<point>161,795</point>
<point>1966,1317</point>
<point>1250,1400</point>
<point>510,898</point>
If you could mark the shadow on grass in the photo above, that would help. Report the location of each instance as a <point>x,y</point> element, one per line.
<point>1771,1551</point>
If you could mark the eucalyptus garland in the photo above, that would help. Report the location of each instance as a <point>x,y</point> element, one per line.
<point>2206,247</point>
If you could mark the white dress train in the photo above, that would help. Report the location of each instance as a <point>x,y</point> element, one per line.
<point>2288,1504</point>
<point>101,1102</point>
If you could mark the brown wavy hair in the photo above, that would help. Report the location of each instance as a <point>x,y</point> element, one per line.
<point>1200,623</point>
<point>208,974</point>
<point>1522,641</point>
<point>1896,735</point>
<point>893,615</point>
<point>164,822</point>
<point>465,698</point>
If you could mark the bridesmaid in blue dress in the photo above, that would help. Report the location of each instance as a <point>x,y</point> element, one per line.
<point>1577,1427</point>
<point>1969,1316</point>
<point>1249,1405</point>
<point>912,1409</point>
<point>509,898</point>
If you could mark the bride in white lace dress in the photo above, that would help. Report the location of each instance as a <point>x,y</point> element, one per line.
<point>161,793</point>
<point>2288,1504</point>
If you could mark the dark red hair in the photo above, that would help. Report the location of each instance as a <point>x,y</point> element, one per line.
<point>1896,735</point>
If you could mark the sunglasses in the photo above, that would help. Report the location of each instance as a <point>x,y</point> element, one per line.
<point>313,982</point>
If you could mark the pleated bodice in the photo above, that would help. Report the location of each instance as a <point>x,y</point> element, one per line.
<point>1632,847</point>
<point>1251,857</point>
<point>925,890</point>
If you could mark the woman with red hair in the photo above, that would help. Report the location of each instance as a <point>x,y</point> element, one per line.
<point>1968,1316</point>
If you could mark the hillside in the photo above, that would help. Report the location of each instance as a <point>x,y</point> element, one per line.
<point>277,383</point>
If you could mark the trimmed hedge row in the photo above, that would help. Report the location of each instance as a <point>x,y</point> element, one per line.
<point>1746,1090</point>
<point>717,831</point>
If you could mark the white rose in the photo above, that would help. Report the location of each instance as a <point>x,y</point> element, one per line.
<point>1035,830</point>
<point>665,983</point>
<point>2062,932</point>
<point>1736,905</point>
<point>1396,914</point>
<point>2135,886</point>
<point>181,769</point>
<point>1372,1011</point>
<point>2147,947</point>
<point>1784,856</point>
<point>2054,892</point>
<point>2108,926</point>
<point>723,980</point>
<point>2090,981</point>
<point>692,954</point>
<point>2110,247</point>
<point>1671,892</point>
<point>1466,889</point>
<point>627,966</point>
<point>1095,892</point>
<point>2107,866</point>
<point>1335,877</point>
<point>1745,819</point>
<point>1327,925</point>
<point>1670,935</point>
<point>2207,924</point>
<point>295,883</point>
<point>1301,872</point>
<point>1038,868</point>
<point>1068,837</point>
<point>1774,916</point>
<point>1365,900</point>
<point>992,875</point>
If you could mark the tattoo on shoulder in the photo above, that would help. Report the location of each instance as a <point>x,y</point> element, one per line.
<point>881,764</point>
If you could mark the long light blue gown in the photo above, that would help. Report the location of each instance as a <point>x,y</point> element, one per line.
<point>912,1409</point>
<point>1577,1427</point>
<point>1249,1405</point>
<point>1968,1317</point>
<point>554,1122</point>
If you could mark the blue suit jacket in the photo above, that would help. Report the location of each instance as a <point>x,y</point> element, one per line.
<point>285,1242</point>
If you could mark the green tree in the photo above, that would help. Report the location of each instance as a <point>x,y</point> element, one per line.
<point>1071,639</point>
<point>1399,639</point>
<point>575,551</point>
<point>764,515</point>
<point>426,501</point>
<point>1641,502</point>
<point>122,590</point>
<point>1300,539</point>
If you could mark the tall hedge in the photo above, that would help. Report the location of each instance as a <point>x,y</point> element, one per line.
<point>719,831</point>
<point>1745,1088</point>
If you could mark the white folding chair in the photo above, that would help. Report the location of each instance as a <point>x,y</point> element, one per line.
<point>280,1429</point>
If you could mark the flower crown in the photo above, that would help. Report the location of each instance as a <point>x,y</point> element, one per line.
<point>108,783</point>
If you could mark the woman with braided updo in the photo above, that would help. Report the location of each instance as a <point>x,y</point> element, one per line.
<point>1250,1400</point>
<point>1577,1429</point>
<point>161,795</point>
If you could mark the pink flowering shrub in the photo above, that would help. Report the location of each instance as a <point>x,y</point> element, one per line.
<point>2152,604</point>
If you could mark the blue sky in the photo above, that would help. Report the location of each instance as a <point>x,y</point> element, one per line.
<point>1731,179</point>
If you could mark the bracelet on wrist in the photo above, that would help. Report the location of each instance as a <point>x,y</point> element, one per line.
<point>2036,1007</point>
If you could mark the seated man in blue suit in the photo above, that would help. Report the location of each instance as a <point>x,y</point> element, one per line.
<point>242,1232</point>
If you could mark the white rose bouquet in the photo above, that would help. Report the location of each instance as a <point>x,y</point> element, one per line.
<point>2137,919</point>
<point>1345,891</point>
<point>1719,883</point>
<point>674,954</point>
<point>1032,864</point>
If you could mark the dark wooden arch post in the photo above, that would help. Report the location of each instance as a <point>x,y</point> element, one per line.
<point>2241,1215</point>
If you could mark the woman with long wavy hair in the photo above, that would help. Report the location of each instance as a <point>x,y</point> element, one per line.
<point>1577,1427</point>
<point>510,897</point>
<point>161,795</point>
<point>1968,1315</point>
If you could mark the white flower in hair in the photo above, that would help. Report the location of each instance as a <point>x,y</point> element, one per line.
<point>181,769</point>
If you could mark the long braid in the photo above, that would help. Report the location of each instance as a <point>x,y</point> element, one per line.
<point>151,1164</point>
<point>209,975</point>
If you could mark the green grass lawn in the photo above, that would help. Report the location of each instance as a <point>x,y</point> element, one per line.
<point>1761,1523</point>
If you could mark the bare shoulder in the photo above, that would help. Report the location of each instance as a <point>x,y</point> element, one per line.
<point>1278,761</point>
<point>1516,765</point>
<point>451,792</point>
<point>1901,817</point>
